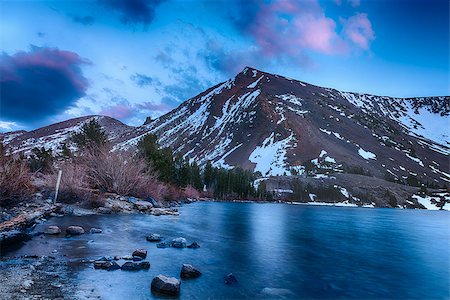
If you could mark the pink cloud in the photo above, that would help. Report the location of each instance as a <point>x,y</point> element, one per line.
<point>358,29</point>
<point>290,27</point>
<point>119,111</point>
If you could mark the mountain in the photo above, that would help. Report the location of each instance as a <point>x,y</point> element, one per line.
<point>280,126</point>
<point>276,125</point>
<point>53,135</point>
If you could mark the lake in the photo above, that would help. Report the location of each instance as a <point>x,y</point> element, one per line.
<point>274,250</point>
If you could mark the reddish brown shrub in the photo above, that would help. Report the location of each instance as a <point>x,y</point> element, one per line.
<point>15,178</point>
<point>191,193</point>
<point>74,185</point>
<point>120,172</point>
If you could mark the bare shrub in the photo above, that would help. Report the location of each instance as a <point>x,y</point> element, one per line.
<point>173,193</point>
<point>74,185</point>
<point>191,193</point>
<point>120,172</point>
<point>15,178</point>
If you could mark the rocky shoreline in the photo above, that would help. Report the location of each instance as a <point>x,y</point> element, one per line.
<point>19,221</point>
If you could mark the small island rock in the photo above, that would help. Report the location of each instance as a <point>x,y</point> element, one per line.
<point>188,271</point>
<point>154,238</point>
<point>194,245</point>
<point>142,253</point>
<point>230,279</point>
<point>179,242</point>
<point>74,230</point>
<point>166,285</point>
<point>163,245</point>
<point>52,230</point>
<point>95,230</point>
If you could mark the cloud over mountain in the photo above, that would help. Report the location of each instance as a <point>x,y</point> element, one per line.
<point>40,83</point>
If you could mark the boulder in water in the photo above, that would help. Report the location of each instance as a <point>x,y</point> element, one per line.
<point>106,265</point>
<point>130,266</point>
<point>95,230</point>
<point>74,230</point>
<point>179,242</point>
<point>142,253</point>
<point>194,245</point>
<point>145,265</point>
<point>154,238</point>
<point>166,285</point>
<point>163,245</point>
<point>231,279</point>
<point>51,230</point>
<point>188,271</point>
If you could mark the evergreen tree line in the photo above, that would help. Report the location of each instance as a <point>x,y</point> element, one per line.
<point>222,183</point>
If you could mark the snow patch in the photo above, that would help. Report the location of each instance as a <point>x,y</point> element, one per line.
<point>366,154</point>
<point>270,157</point>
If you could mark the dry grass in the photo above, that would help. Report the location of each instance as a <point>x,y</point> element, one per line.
<point>15,178</point>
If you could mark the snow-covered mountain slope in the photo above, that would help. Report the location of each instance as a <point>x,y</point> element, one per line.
<point>52,136</point>
<point>275,125</point>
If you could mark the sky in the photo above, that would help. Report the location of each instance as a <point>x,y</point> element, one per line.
<point>138,58</point>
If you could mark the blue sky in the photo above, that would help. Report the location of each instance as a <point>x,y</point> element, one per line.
<point>138,58</point>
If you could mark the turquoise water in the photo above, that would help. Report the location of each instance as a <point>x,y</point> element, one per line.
<point>296,251</point>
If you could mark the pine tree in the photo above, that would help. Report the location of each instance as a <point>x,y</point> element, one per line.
<point>41,160</point>
<point>90,136</point>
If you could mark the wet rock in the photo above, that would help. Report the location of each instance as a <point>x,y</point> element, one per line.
<point>164,211</point>
<point>188,271</point>
<point>143,205</point>
<point>137,258</point>
<point>194,245</point>
<point>74,230</point>
<point>142,253</point>
<point>127,257</point>
<point>166,285</point>
<point>230,279</point>
<point>163,245</point>
<point>154,238</point>
<point>152,201</point>
<point>179,242</point>
<point>114,266</point>
<point>145,265</point>
<point>95,230</point>
<point>117,257</point>
<point>130,266</point>
<point>106,258</point>
<point>12,237</point>
<point>106,265</point>
<point>104,210</point>
<point>52,230</point>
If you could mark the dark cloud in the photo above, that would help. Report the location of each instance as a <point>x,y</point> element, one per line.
<point>85,20</point>
<point>133,11</point>
<point>40,83</point>
<point>143,80</point>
